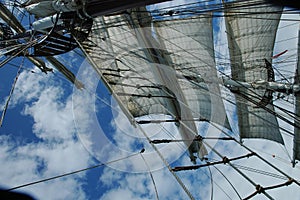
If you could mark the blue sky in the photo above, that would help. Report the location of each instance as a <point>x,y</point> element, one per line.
<point>42,137</point>
<point>24,130</point>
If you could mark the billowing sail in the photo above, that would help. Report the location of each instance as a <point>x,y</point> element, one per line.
<point>251,34</point>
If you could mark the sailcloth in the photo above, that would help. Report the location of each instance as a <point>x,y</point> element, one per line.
<point>189,42</point>
<point>251,33</point>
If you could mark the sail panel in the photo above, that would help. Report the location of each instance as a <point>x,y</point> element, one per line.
<point>251,33</point>
<point>126,69</point>
<point>189,43</point>
<point>166,75</point>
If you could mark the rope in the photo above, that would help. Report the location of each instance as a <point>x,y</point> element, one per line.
<point>70,173</point>
<point>228,182</point>
<point>212,184</point>
<point>260,189</point>
<point>260,171</point>
<point>224,160</point>
<point>11,93</point>
<point>151,176</point>
<point>169,167</point>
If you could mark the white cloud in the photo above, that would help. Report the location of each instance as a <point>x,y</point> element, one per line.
<point>119,193</point>
<point>36,161</point>
<point>53,118</point>
<point>140,186</point>
<point>57,151</point>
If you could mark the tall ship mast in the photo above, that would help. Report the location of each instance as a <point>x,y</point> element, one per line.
<point>207,92</point>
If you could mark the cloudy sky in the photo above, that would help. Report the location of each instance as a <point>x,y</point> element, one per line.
<point>51,128</point>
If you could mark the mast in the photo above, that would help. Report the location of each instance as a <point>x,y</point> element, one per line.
<point>296,149</point>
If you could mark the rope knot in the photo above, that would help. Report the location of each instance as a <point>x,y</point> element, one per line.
<point>225,160</point>
<point>143,150</point>
<point>259,189</point>
<point>198,138</point>
<point>289,182</point>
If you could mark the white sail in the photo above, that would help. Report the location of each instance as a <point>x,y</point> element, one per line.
<point>125,70</point>
<point>166,75</point>
<point>189,42</point>
<point>251,34</point>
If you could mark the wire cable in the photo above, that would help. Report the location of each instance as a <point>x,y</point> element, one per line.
<point>71,173</point>
<point>151,176</point>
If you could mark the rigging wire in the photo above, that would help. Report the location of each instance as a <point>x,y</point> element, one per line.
<point>105,102</point>
<point>286,151</point>
<point>151,176</point>
<point>278,158</point>
<point>179,181</point>
<point>262,172</point>
<point>237,170</point>
<point>22,48</point>
<point>11,93</point>
<point>232,186</point>
<point>256,96</point>
<point>73,172</point>
<point>212,184</point>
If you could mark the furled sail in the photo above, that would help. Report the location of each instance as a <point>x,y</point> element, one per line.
<point>251,34</point>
